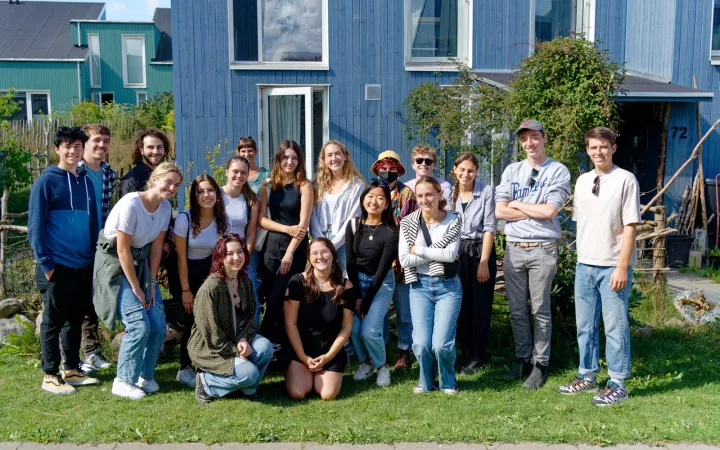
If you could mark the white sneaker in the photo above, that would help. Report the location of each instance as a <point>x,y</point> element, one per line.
<point>451,391</point>
<point>364,372</point>
<point>96,361</point>
<point>383,376</point>
<point>186,377</point>
<point>123,389</point>
<point>148,386</point>
<point>419,390</point>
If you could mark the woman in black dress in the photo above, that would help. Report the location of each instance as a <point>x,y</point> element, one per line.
<point>318,320</point>
<point>290,205</point>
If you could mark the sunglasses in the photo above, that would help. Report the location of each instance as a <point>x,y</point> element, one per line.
<point>427,161</point>
<point>596,186</point>
<point>230,236</point>
<point>246,137</point>
<point>533,177</point>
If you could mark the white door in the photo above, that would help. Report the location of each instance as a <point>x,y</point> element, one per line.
<point>287,113</point>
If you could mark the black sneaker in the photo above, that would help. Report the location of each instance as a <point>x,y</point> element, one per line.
<point>612,394</point>
<point>521,369</point>
<point>201,395</point>
<point>471,367</point>
<point>537,377</point>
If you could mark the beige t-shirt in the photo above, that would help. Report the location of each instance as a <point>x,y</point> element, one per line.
<point>601,218</point>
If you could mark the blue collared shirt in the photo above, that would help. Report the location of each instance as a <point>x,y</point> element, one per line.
<point>479,215</point>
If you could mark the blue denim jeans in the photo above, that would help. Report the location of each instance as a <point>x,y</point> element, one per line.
<point>144,335</point>
<point>593,293</point>
<point>435,305</point>
<point>367,334</point>
<point>247,373</point>
<point>343,259</point>
<point>401,300</point>
<point>254,275</point>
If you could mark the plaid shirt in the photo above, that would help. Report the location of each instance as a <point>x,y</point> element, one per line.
<point>108,176</point>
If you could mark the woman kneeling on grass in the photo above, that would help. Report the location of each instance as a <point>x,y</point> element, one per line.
<point>318,320</point>
<point>224,344</point>
<point>125,279</point>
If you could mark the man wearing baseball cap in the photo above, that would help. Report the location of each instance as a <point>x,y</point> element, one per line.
<point>528,198</point>
<point>388,169</point>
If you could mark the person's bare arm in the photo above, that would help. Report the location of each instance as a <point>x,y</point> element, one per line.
<point>535,211</point>
<point>124,241</point>
<point>504,212</point>
<point>306,201</point>
<point>251,234</point>
<point>619,277</point>
<point>291,310</point>
<point>483,272</point>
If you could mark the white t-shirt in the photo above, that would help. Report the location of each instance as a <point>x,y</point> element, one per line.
<point>130,216</point>
<point>237,213</point>
<point>331,200</point>
<point>601,218</point>
<point>200,246</point>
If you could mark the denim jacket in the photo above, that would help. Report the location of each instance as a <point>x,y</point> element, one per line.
<point>347,207</point>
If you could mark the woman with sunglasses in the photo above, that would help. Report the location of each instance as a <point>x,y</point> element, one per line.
<point>337,196</point>
<point>126,287</point>
<point>428,249</point>
<point>196,232</point>
<point>474,202</point>
<point>318,320</point>
<point>224,344</point>
<point>241,207</point>
<point>284,251</point>
<point>372,242</point>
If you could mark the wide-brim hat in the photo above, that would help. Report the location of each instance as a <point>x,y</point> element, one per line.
<point>388,154</point>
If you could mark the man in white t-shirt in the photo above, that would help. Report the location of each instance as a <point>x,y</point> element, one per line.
<point>606,207</point>
<point>424,161</point>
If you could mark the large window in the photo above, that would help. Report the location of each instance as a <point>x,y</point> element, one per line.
<point>282,34</point>
<point>436,31</point>
<point>33,105</point>
<point>133,52</point>
<point>94,47</point>
<point>553,18</point>
<point>715,44</point>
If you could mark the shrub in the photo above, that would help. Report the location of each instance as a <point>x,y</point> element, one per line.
<point>157,112</point>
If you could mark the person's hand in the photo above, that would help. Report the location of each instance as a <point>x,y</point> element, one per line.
<point>618,279</point>
<point>358,305</point>
<point>286,263</point>
<point>483,272</point>
<point>512,204</point>
<point>166,250</point>
<point>188,301</point>
<point>412,250</point>
<point>49,274</point>
<point>318,363</point>
<point>140,294</point>
<point>296,231</point>
<point>308,361</point>
<point>244,348</point>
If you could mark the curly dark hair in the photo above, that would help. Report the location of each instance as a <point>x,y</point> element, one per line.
<point>140,137</point>
<point>218,209</point>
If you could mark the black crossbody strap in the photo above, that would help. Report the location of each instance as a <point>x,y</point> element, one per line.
<point>425,231</point>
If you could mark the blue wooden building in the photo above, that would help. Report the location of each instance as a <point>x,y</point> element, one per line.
<point>314,70</point>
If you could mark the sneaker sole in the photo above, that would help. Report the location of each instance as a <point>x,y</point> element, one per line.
<point>128,396</point>
<point>82,383</point>
<point>362,378</point>
<point>602,405</point>
<point>53,391</point>
<point>584,391</point>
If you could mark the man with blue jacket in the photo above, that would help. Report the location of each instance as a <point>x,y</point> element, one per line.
<point>63,230</point>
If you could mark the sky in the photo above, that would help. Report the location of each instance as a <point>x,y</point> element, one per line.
<point>137,10</point>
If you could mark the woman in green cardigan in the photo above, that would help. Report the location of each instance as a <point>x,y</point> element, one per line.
<point>224,345</point>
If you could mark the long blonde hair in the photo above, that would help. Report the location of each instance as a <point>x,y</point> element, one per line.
<point>324,175</point>
<point>161,170</point>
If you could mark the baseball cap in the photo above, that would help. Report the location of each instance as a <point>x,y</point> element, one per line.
<point>530,124</point>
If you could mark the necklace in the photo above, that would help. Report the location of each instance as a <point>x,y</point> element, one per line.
<point>233,287</point>
<point>321,283</point>
<point>373,231</point>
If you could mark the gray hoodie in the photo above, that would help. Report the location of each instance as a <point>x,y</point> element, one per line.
<point>552,187</point>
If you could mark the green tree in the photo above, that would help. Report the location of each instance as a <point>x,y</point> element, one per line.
<point>157,112</point>
<point>568,85</point>
<point>14,159</point>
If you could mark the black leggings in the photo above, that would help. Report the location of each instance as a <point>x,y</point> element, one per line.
<point>198,270</point>
<point>473,326</point>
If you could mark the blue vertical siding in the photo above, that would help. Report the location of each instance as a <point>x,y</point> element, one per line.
<point>650,34</point>
<point>501,33</point>
<point>610,27</point>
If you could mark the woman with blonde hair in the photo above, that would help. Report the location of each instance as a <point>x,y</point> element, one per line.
<point>125,278</point>
<point>337,196</point>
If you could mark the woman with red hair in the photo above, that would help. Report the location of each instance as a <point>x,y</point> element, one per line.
<point>224,345</point>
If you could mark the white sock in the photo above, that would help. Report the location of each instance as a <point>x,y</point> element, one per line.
<point>589,377</point>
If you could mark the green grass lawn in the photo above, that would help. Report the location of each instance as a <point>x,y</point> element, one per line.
<point>674,396</point>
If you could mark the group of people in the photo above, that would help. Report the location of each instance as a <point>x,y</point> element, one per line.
<point>324,260</point>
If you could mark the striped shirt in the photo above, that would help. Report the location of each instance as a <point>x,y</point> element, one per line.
<point>428,259</point>
<point>108,186</point>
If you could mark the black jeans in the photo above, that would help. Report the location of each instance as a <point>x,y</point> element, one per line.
<point>473,327</point>
<point>66,297</point>
<point>198,270</point>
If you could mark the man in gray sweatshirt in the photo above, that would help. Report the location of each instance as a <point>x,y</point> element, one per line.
<point>528,198</point>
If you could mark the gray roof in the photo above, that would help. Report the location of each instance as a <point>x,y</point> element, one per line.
<point>42,30</point>
<point>637,88</point>
<point>162,23</point>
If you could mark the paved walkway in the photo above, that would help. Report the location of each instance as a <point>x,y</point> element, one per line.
<point>679,281</point>
<point>313,446</point>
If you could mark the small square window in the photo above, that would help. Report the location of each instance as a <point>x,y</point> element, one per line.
<point>140,98</point>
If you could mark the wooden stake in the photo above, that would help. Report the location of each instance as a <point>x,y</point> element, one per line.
<point>663,150</point>
<point>659,247</point>
<point>701,173</point>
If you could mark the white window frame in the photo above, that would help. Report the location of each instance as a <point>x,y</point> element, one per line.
<point>275,65</point>
<point>98,95</point>
<point>584,17</point>
<point>124,38</point>
<point>137,98</point>
<point>265,91</point>
<point>93,82</point>
<point>28,102</point>
<point>464,39</point>
<point>714,54</point>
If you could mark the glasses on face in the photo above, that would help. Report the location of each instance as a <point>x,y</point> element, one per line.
<point>318,254</point>
<point>427,161</point>
<point>533,177</point>
<point>596,186</point>
<point>246,137</point>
